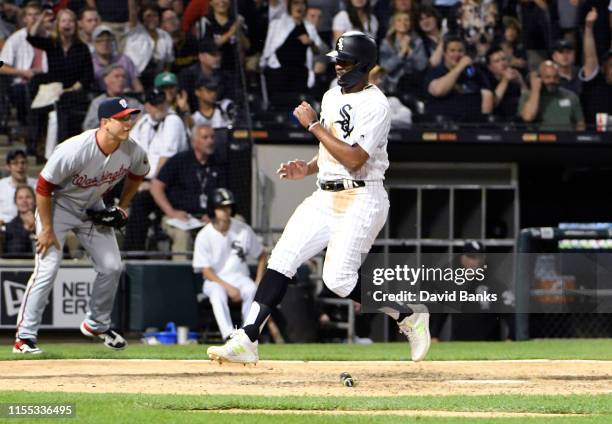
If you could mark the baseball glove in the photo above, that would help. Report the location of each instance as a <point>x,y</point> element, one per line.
<point>113,216</point>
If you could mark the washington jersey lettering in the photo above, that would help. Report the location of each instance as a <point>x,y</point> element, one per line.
<point>82,173</point>
<point>362,118</point>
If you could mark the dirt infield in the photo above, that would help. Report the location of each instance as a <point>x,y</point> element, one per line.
<point>275,378</point>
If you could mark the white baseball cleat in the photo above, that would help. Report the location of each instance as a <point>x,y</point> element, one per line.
<point>26,346</point>
<point>416,328</point>
<point>111,338</point>
<point>238,348</point>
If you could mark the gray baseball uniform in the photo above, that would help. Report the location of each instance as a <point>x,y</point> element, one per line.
<point>79,173</point>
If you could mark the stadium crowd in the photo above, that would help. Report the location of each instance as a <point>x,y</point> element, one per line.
<point>193,66</point>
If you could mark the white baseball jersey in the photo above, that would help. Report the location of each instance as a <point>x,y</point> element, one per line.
<point>362,118</point>
<point>8,209</point>
<point>226,254</point>
<point>83,173</point>
<point>345,222</point>
<point>160,139</point>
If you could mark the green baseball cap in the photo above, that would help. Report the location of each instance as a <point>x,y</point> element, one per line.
<point>164,79</point>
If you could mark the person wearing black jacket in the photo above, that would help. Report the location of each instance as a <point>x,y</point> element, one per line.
<point>183,185</point>
<point>19,233</point>
<point>69,63</point>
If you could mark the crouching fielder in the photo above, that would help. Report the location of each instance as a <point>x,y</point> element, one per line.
<point>349,208</point>
<point>69,198</point>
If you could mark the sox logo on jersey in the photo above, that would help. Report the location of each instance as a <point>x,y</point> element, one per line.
<point>345,122</point>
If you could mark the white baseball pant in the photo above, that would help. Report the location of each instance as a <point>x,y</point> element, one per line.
<point>101,244</point>
<point>218,299</point>
<point>346,222</point>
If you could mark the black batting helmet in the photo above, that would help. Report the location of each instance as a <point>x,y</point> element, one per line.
<point>358,48</point>
<point>220,197</point>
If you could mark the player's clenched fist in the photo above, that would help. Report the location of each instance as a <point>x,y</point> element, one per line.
<point>293,170</point>
<point>305,114</point>
<point>45,240</point>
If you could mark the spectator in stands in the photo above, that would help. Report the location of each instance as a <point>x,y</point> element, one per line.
<point>6,27</point>
<point>161,133</point>
<point>564,55</point>
<point>17,166</point>
<point>506,83</point>
<point>88,21</point>
<point>537,31</point>
<point>184,44</point>
<point>208,66</point>
<point>114,14</point>
<point>106,54</point>
<point>384,11</point>
<point>403,56</point>
<point>602,28</point>
<point>511,43</point>
<point>168,84</point>
<point>69,63</point>
<point>548,104</point>
<point>401,116</point>
<point>165,4</point>
<point>228,31</point>
<point>568,19</point>
<point>214,112</point>
<point>457,89</point>
<point>476,25</point>
<point>194,10</point>
<point>403,6</point>
<point>328,9</point>
<point>149,46</point>
<point>430,29</point>
<point>287,59</point>
<point>221,251</point>
<point>19,233</point>
<point>323,71</point>
<point>358,16</point>
<point>596,80</point>
<point>447,9</point>
<point>115,81</point>
<point>22,61</point>
<point>182,187</point>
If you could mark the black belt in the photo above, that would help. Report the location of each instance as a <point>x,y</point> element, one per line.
<point>339,185</point>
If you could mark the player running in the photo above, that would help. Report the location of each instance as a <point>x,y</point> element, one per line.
<point>348,210</point>
<point>69,197</point>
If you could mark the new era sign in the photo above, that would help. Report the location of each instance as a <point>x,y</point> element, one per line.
<point>13,285</point>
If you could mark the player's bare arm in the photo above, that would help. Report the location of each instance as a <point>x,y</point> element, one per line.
<point>352,157</point>
<point>298,169</point>
<point>232,292</point>
<point>46,238</point>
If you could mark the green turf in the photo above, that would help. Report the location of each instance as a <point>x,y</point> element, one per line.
<point>600,349</point>
<point>135,408</point>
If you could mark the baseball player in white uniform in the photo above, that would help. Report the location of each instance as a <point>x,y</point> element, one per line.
<point>69,197</point>
<point>220,253</point>
<point>349,208</point>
